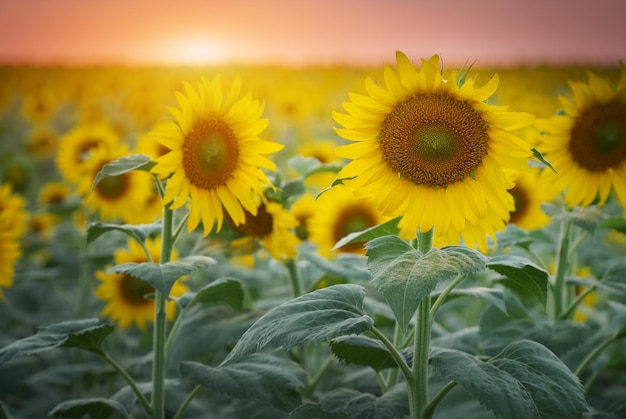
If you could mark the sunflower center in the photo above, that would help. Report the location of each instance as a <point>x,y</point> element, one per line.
<point>210,153</point>
<point>111,187</point>
<point>520,200</point>
<point>133,290</point>
<point>598,139</point>
<point>434,139</point>
<point>259,225</point>
<point>350,221</point>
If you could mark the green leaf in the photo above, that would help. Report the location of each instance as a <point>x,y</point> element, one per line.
<point>588,218</point>
<point>314,411</point>
<point>124,165</point>
<point>260,376</point>
<point>404,275</point>
<point>335,183</point>
<point>345,265</point>
<point>362,350</point>
<point>388,228</point>
<point>514,236</point>
<point>616,223</point>
<point>162,276</point>
<point>524,381</point>
<point>356,405</point>
<point>491,295</point>
<point>138,232</point>
<point>613,281</point>
<point>95,408</point>
<point>522,276</point>
<point>309,166</point>
<point>318,316</point>
<point>74,333</point>
<point>226,290</point>
<point>540,157</point>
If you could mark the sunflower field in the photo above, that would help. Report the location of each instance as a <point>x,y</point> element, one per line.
<point>409,241</point>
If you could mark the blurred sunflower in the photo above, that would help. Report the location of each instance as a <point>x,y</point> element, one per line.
<point>586,144</point>
<point>125,295</point>
<point>324,152</point>
<point>529,193</point>
<point>42,142</point>
<point>272,226</point>
<point>42,225</point>
<point>114,197</point>
<point>54,194</point>
<point>39,104</point>
<point>13,216</point>
<point>432,150</point>
<point>338,213</point>
<point>216,157</point>
<point>303,209</point>
<point>76,145</point>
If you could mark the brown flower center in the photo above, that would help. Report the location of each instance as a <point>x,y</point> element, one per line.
<point>112,187</point>
<point>434,139</point>
<point>520,199</point>
<point>598,139</point>
<point>133,290</point>
<point>210,153</point>
<point>259,225</point>
<point>353,219</point>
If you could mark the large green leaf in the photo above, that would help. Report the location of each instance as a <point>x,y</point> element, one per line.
<point>226,290</point>
<point>387,228</point>
<point>356,405</point>
<point>616,223</point>
<point>124,165</point>
<point>261,376</point>
<point>94,408</point>
<point>314,411</point>
<point>85,334</point>
<point>362,350</point>
<point>162,276</point>
<point>522,276</point>
<point>314,317</point>
<point>346,265</point>
<point>588,218</point>
<point>138,232</point>
<point>524,381</point>
<point>404,276</point>
<point>491,295</point>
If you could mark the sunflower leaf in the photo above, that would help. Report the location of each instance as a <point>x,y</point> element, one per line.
<point>260,376</point>
<point>338,181</point>
<point>162,276</point>
<point>85,334</point>
<point>94,408</point>
<point>138,232</point>
<point>124,165</point>
<point>542,159</point>
<point>512,385</point>
<point>404,276</point>
<point>522,276</point>
<point>227,290</point>
<point>314,411</point>
<point>318,316</point>
<point>391,404</point>
<point>387,228</point>
<point>616,223</point>
<point>362,350</point>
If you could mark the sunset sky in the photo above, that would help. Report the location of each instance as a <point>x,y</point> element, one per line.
<point>492,32</point>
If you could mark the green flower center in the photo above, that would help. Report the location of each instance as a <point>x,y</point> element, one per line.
<point>133,290</point>
<point>112,187</point>
<point>434,139</point>
<point>210,153</point>
<point>598,138</point>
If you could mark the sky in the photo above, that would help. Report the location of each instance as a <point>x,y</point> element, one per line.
<point>311,32</point>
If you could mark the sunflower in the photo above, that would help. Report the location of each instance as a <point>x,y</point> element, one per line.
<point>54,194</point>
<point>338,213</point>
<point>272,226</point>
<point>76,145</point>
<point>528,194</point>
<point>586,144</point>
<point>216,156</point>
<point>303,209</point>
<point>42,142</point>
<point>125,295</point>
<point>12,228</point>
<point>114,197</point>
<point>432,150</point>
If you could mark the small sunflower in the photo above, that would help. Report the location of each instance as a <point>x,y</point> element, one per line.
<point>528,194</point>
<point>586,144</point>
<point>432,150</point>
<point>273,227</point>
<point>216,157</point>
<point>303,209</point>
<point>125,295</point>
<point>114,197</point>
<point>76,145</point>
<point>338,213</point>
<point>42,142</point>
<point>13,218</point>
<point>54,194</point>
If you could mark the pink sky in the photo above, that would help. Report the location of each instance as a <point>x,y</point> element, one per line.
<point>492,32</point>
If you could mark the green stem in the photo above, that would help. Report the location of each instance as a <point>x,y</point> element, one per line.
<point>444,294</point>
<point>310,388</point>
<point>562,267</point>
<point>131,383</point>
<point>597,350</point>
<point>160,319</point>
<point>430,409</point>
<point>294,277</point>
<point>418,391</point>
<point>392,379</point>
<point>395,354</point>
<point>186,402</point>
<point>567,313</point>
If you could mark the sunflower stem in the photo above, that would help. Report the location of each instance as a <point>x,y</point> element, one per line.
<point>418,385</point>
<point>158,348</point>
<point>294,277</point>
<point>187,401</point>
<point>562,268</point>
